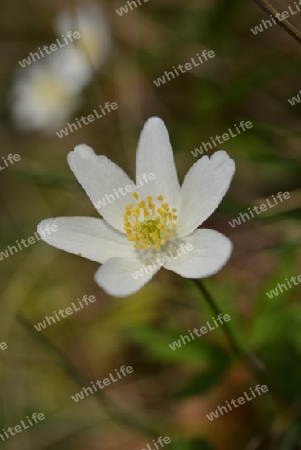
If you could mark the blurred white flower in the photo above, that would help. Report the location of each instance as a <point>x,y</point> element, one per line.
<point>48,92</point>
<point>165,215</point>
<point>89,20</point>
<point>71,64</point>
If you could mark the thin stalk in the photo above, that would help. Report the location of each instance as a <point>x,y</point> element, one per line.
<point>254,364</point>
<point>266,6</point>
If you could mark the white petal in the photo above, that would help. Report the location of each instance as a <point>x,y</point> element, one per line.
<point>89,237</point>
<point>121,277</point>
<point>71,64</point>
<point>95,36</point>
<point>101,179</point>
<point>42,99</point>
<point>203,188</point>
<point>210,252</point>
<point>154,155</point>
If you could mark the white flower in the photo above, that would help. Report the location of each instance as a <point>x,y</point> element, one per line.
<point>71,64</point>
<point>95,38</point>
<point>164,215</point>
<point>46,94</point>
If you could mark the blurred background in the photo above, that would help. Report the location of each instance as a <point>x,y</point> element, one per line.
<point>170,392</point>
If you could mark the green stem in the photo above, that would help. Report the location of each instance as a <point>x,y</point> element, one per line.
<point>110,407</point>
<point>254,364</point>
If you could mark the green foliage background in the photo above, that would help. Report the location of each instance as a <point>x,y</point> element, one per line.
<point>251,78</point>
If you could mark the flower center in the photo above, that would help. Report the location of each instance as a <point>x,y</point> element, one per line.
<point>147,226</point>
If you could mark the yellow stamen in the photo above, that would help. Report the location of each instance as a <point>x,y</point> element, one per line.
<point>147,225</point>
